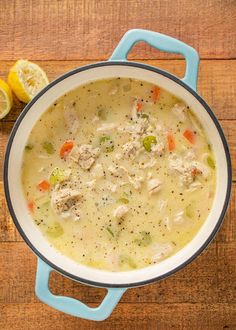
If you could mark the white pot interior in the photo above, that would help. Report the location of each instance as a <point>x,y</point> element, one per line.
<point>19,204</point>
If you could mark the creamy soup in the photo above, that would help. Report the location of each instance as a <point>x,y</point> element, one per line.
<point>118,174</point>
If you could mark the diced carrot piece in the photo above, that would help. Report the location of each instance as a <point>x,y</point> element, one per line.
<point>139,106</point>
<point>43,185</point>
<point>66,148</point>
<point>194,172</point>
<point>156,91</point>
<point>171,142</point>
<point>190,136</point>
<point>31,206</point>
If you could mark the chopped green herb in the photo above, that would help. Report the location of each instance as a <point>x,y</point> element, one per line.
<point>209,147</point>
<point>145,239</point>
<point>55,231</point>
<point>29,147</point>
<point>110,232</point>
<point>107,143</point>
<point>210,162</point>
<point>148,141</point>
<point>48,147</point>
<point>57,175</point>
<point>124,259</point>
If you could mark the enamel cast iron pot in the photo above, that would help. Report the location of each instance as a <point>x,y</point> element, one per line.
<point>49,258</point>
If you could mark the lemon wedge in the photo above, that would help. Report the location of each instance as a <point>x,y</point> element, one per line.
<point>5,99</point>
<point>26,79</point>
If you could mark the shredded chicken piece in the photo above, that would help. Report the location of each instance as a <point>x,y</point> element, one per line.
<point>123,183</point>
<point>194,186</point>
<point>136,181</point>
<point>158,149</point>
<point>179,111</point>
<point>179,218</point>
<point>71,117</point>
<point>85,155</point>
<point>112,169</point>
<point>190,155</point>
<point>185,165</point>
<point>120,211</point>
<point>149,164</point>
<point>90,184</point>
<point>177,164</point>
<point>65,201</point>
<point>117,171</point>
<point>98,171</point>
<point>106,127</point>
<point>111,186</point>
<point>201,168</point>
<point>131,149</point>
<point>162,204</point>
<point>121,171</point>
<point>153,186</point>
<point>134,114</point>
<point>137,128</point>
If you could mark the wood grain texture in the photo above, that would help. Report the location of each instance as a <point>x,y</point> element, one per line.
<point>77,29</point>
<point>64,34</point>
<point>149,316</point>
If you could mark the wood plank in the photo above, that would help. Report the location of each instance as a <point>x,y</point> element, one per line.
<point>64,30</point>
<point>8,231</point>
<point>208,279</point>
<point>125,316</point>
<point>226,281</point>
<point>227,232</point>
<point>217,81</point>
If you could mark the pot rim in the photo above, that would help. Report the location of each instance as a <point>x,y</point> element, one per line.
<point>136,65</point>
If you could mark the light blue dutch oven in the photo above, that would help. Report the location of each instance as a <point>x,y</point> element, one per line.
<point>48,258</point>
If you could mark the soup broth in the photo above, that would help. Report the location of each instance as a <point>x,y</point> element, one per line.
<point>118,174</point>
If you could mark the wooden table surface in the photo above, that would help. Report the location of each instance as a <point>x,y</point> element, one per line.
<point>61,35</point>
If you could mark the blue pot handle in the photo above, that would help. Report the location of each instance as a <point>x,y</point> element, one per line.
<point>70,305</point>
<point>164,43</point>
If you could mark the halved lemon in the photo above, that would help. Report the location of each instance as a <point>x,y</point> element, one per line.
<point>5,99</point>
<point>26,79</point>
